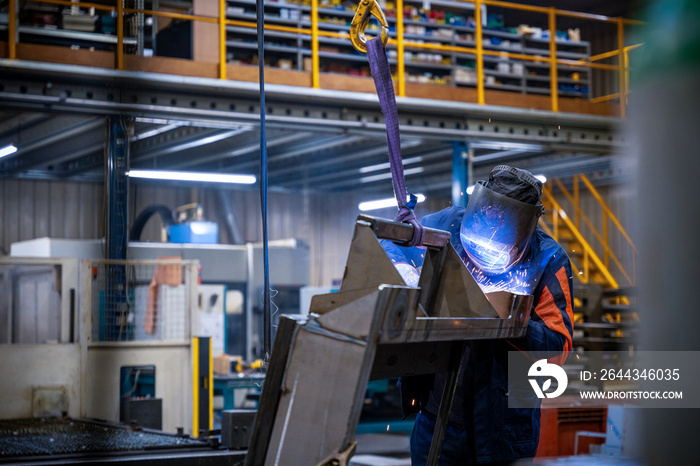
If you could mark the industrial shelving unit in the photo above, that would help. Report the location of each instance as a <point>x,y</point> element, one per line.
<point>292,51</point>
<point>288,50</point>
<point>90,28</point>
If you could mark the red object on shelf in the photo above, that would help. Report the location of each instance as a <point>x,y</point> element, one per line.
<point>561,418</point>
<point>43,19</point>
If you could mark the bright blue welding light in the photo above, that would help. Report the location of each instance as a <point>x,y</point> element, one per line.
<point>490,256</point>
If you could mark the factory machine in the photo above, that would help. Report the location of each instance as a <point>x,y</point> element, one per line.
<point>102,355</point>
<point>375,327</point>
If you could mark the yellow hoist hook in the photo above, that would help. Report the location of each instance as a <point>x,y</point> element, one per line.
<point>360,22</point>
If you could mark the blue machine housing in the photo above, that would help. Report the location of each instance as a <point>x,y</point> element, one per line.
<point>196,232</point>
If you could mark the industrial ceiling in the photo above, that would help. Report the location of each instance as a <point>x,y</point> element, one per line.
<point>320,140</point>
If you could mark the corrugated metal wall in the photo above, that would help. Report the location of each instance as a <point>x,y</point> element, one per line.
<point>603,38</point>
<point>34,209</point>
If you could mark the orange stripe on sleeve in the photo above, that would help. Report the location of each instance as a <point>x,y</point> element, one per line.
<point>564,282</point>
<point>550,314</point>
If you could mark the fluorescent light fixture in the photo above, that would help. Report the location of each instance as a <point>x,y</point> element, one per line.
<point>385,166</point>
<point>384,203</point>
<point>386,176</point>
<point>503,145</point>
<point>7,150</point>
<point>191,176</point>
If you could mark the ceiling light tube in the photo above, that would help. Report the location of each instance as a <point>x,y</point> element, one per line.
<point>386,176</point>
<point>192,176</point>
<point>384,203</point>
<point>7,150</point>
<point>385,166</point>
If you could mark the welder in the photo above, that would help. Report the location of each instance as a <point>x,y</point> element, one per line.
<point>497,238</point>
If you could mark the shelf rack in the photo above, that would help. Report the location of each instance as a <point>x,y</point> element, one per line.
<point>464,45</point>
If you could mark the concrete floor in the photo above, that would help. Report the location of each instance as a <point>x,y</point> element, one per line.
<point>382,450</point>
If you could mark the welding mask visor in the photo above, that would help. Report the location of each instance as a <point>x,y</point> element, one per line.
<point>497,230</point>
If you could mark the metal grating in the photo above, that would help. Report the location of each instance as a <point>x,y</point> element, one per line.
<point>153,303</point>
<point>63,436</point>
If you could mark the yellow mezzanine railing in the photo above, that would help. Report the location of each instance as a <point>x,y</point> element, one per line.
<point>314,33</point>
<point>567,229</point>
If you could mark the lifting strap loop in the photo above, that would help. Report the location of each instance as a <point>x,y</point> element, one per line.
<point>379,66</point>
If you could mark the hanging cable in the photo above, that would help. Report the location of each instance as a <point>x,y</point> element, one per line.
<point>260,16</point>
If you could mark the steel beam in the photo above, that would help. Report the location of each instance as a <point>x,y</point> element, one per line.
<point>117,229</point>
<point>83,90</point>
<point>460,177</point>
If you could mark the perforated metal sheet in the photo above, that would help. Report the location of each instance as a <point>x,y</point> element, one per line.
<point>39,437</point>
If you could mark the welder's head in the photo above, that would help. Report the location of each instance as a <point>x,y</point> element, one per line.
<point>500,219</point>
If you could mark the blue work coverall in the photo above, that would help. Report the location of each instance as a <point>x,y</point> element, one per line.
<point>483,429</point>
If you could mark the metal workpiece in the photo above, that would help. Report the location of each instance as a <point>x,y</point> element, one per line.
<point>375,327</point>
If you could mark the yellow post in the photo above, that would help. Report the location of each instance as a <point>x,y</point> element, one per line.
<point>577,207</point>
<point>553,72</point>
<point>314,45</point>
<point>210,376</point>
<point>480,98</point>
<point>195,387</point>
<point>120,34</point>
<point>202,385</point>
<point>12,30</point>
<point>627,74</point>
<point>621,64</point>
<point>222,39</point>
<point>400,64</point>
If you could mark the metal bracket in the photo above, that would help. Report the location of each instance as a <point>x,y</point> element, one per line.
<point>340,459</point>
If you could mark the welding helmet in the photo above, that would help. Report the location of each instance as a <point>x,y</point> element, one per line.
<point>497,229</point>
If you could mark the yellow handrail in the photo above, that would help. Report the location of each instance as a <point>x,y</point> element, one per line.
<point>315,65</point>
<point>12,30</point>
<point>222,39</point>
<point>481,97</point>
<point>607,252</point>
<point>120,36</point>
<point>589,254</point>
<point>553,71</point>
<point>478,51</point>
<point>621,65</point>
<point>400,54</point>
<point>607,210</point>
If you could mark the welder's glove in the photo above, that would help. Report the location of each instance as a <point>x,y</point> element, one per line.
<point>409,273</point>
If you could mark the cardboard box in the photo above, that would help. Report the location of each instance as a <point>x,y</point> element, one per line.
<point>222,364</point>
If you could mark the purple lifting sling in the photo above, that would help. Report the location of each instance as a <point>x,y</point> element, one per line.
<point>379,65</point>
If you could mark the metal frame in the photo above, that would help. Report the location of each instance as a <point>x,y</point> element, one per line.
<point>375,327</point>
<point>210,102</point>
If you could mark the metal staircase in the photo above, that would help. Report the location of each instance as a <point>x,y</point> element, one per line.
<point>591,256</point>
<point>602,301</point>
